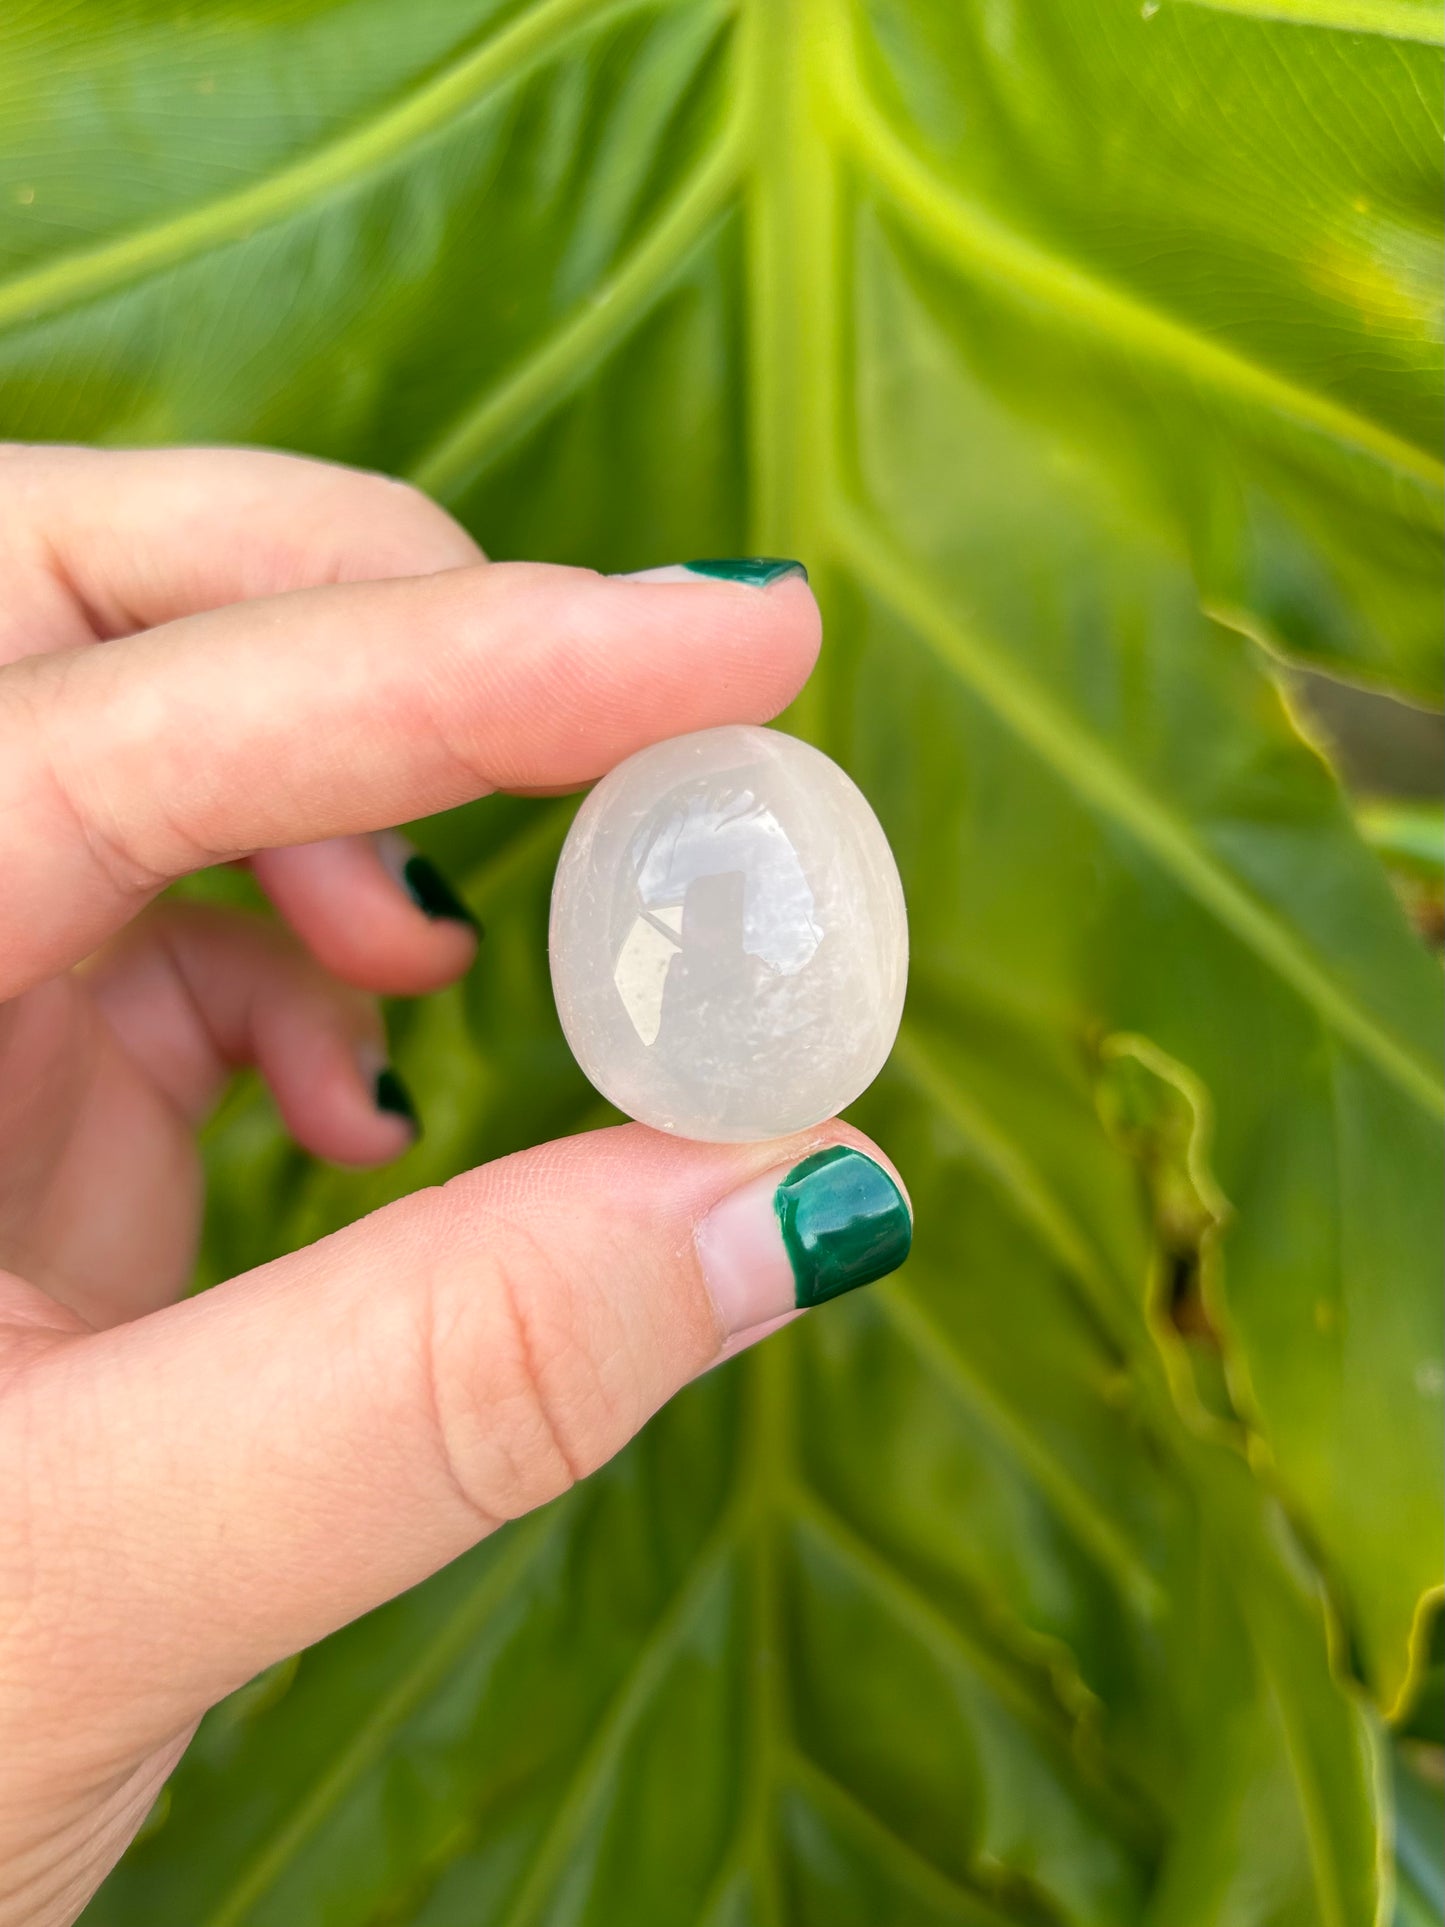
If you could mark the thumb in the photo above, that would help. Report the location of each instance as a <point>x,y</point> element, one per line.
<point>230,1478</point>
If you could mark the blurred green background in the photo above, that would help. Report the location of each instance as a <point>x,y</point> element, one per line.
<point>1089,352</point>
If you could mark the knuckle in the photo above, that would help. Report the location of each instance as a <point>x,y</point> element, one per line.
<point>520,1407</point>
<point>414,532</point>
<point>44,702</point>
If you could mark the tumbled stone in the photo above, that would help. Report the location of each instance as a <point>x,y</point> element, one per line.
<point>729,942</point>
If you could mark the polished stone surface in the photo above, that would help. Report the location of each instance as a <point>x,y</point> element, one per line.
<point>729,942</point>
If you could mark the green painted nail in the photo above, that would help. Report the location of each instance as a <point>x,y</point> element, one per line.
<point>393,1096</point>
<point>844,1223</point>
<point>433,895</point>
<point>756,570</point>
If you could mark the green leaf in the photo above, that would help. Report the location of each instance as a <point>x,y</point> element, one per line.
<point>1080,349</point>
<point>1410,836</point>
<point>1419,1784</point>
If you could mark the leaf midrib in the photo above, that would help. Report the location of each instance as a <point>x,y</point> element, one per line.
<point>965,231</point>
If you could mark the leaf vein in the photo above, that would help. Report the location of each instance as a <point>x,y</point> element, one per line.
<point>923,1876</point>
<point>975,241</point>
<point>552,370</point>
<point>1055,1725</point>
<point>1092,770</point>
<point>528,1541</point>
<point>1091,1524</point>
<point>334,167</point>
<point>1396,19</point>
<point>644,1675</point>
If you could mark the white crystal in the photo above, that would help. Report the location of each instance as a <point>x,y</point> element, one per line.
<point>729,941</point>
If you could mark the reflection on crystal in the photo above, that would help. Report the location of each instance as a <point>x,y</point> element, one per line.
<point>642,964</point>
<point>716,835</point>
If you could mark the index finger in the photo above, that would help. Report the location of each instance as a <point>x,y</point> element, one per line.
<point>341,709</point>
<point>97,543</point>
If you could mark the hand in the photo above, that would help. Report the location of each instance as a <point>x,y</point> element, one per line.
<point>208,656</point>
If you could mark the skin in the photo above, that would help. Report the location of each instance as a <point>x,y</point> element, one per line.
<point>214,656</point>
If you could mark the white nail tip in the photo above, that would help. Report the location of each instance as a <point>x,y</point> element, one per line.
<point>670,572</point>
<point>395,853</point>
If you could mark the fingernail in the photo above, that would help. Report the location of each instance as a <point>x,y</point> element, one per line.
<point>394,1098</point>
<point>757,571</point>
<point>797,1237</point>
<point>423,881</point>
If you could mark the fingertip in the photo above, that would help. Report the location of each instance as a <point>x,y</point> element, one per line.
<point>714,1246</point>
<point>597,667</point>
<point>810,1228</point>
<point>756,648</point>
<point>392,1097</point>
<point>394,1129</point>
<point>342,1100</point>
<point>373,911</point>
<point>425,884</point>
<point>801,633</point>
<point>353,1155</point>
